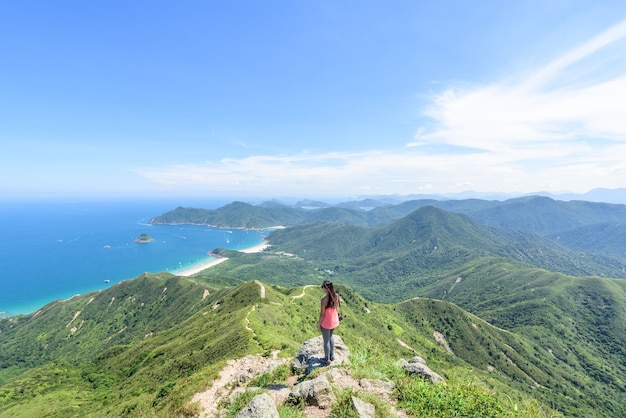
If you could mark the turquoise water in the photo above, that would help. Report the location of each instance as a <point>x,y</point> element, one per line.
<point>53,250</point>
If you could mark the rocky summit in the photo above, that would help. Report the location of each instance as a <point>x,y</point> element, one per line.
<point>315,387</point>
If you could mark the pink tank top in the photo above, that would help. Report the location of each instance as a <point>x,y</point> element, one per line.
<point>331,318</point>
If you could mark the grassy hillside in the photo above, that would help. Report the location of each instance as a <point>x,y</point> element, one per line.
<point>579,322</point>
<point>607,238</point>
<point>545,216</point>
<point>490,304</point>
<point>392,262</point>
<point>150,351</point>
<point>566,335</point>
<point>158,372</point>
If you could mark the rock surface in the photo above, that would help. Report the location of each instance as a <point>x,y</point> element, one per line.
<point>261,406</point>
<point>362,408</point>
<point>311,353</point>
<point>417,366</point>
<point>316,392</point>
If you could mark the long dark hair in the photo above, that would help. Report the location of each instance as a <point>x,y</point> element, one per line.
<point>333,300</point>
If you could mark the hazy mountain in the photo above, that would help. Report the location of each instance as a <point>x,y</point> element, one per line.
<point>234,215</point>
<point>425,244</point>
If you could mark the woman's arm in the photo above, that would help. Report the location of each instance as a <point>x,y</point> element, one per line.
<point>322,308</point>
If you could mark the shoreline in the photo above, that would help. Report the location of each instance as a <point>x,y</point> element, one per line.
<point>190,271</point>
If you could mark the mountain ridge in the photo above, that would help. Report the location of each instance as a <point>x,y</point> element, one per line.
<point>580,221</point>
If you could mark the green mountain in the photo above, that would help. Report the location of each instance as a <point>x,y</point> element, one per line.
<point>514,313</point>
<point>392,262</point>
<point>571,330</point>
<point>155,370</point>
<point>608,238</point>
<point>545,216</point>
<point>580,224</point>
<point>234,215</point>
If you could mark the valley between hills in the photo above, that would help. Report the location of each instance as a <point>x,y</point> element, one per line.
<point>520,305</point>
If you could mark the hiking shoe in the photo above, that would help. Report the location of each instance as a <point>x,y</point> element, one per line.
<point>332,357</point>
<point>325,362</point>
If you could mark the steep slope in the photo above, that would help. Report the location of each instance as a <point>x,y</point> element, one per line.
<point>574,361</point>
<point>393,261</point>
<point>159,373</point>
<point>565,340</point>
<point>608,238</point>
<point>122,314</point>
<point>171,343</point>
<point>580,322</point>
<point>544,216</point>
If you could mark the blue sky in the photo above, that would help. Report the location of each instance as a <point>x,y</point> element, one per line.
<point>311,99</point>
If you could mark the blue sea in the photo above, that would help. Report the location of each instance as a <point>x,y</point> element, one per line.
<point>54,249</point>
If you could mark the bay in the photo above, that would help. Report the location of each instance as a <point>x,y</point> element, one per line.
<point>54,249</point>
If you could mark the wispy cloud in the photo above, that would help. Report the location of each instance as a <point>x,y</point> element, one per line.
<point>569,100</point>
<point>561,127</point>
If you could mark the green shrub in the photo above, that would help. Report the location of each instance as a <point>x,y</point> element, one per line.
<point>424,399</point>
<point>277,376</point>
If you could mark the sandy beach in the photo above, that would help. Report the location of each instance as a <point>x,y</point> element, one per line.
<point>203,266</point>
<point>256,248</point>
<point>199,267</point>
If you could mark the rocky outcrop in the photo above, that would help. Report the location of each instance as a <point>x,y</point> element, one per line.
<point>316,392</point>
<point>311,353</point>
<point>362,408</point>
<point>417,366</point>
<point>261,406</point>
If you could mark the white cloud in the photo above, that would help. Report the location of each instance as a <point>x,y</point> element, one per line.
<point>537,109</point>
<point>560,128</point>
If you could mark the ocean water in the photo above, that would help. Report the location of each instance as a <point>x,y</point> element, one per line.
<point>52,249</point>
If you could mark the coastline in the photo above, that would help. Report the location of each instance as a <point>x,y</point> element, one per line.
<point>87,245</point>
<point>217,260</point>
<point>189,271</point>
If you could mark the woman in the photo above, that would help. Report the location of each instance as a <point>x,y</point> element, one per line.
<point>329,320</point>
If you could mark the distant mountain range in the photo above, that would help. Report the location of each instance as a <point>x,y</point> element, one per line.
<point>595,195</point>
<point>596,228</point>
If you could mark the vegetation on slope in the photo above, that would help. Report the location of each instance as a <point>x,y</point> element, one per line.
<point>581,224</point>
<point>145,346</point>
<point>395,261</point>
<point>158,372</point>
<point>233,215</point>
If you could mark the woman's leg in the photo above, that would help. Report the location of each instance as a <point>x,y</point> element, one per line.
<point>329,343</point>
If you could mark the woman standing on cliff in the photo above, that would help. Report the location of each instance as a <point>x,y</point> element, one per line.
<point>328,320</point>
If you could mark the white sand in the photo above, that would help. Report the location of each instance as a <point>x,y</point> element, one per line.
<point>199,267</point>
<point>203,266</point>
<point>256,248</point>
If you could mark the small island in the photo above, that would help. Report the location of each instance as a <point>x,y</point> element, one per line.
<point>143,238</point>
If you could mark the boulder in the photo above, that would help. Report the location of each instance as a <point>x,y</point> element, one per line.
<point>417,366</point>
<point>261,406</point>
<point>311,354</point>
<point>316,392</point>
<point>362,408</point>
<point>377,387</point>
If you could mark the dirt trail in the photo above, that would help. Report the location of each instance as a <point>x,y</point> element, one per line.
<point>231,378</point>
<point>301,295</point>
<point>235,377</point>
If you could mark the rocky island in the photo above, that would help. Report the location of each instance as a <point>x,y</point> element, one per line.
<point>143,238</point>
